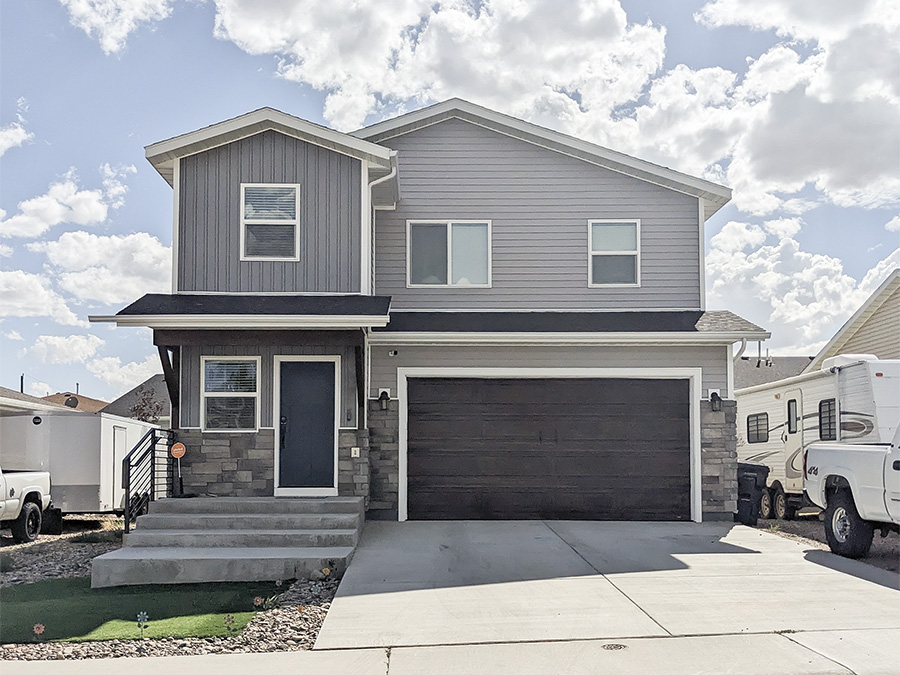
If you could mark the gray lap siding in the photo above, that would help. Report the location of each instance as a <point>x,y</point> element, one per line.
<point>539,202</point>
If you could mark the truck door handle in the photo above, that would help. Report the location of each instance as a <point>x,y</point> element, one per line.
<point>896,465</point>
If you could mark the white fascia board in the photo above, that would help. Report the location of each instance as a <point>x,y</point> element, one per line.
<point>787,381</point>
<point>163,153</point>
<point>716,195</point>
<point>17,405</point>
<point>412,338</point>
<point>262,322</point>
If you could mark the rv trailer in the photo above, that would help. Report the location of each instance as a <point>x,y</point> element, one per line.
<point>854,398</point>
<point>82,451</point>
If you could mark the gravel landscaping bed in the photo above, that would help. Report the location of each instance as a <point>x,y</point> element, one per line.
<point>291,625</point>
<point>885,551</point>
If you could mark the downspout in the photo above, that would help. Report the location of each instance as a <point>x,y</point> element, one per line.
<point>741,350</point>
<point>372,184</point>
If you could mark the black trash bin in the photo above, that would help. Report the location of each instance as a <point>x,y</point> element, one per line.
<point>751,479</point>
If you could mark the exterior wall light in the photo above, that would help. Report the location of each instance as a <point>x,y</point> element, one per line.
<point>383,399</point>
<point>715,401</point>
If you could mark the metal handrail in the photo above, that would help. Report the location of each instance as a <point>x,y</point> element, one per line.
<point>146,473</point>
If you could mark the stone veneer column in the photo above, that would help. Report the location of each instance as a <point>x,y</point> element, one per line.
<point>718,439</point>
<point>384,461</point>
<point>353,472</point>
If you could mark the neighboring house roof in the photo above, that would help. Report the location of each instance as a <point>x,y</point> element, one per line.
<point>122,405</point>
<point>873,329</point>
<point>714,196</point>
<point>82,403</point>
<point>162,155</point>
<point>253,311</point>
<point>13,401</point>
<point>690,326</point>
<point>750,371</point>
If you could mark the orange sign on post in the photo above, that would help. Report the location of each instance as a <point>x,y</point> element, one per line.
<point>177,450</point>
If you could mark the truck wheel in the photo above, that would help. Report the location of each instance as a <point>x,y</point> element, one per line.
<point>765,504</point>
<point>27,526</point>
<point>781,507</point>
<point>847,534</point>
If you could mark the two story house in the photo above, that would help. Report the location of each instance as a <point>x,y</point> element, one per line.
<point>454,314</point>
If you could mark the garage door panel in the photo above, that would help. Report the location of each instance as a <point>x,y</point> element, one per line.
<point>549,448</point>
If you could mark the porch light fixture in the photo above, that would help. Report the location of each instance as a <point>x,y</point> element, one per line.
<point>384,398</point>
<point>715,401</point>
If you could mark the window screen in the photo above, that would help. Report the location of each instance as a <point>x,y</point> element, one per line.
<point>758,428</point>
<point>828,420</point>
<point>230,395</point>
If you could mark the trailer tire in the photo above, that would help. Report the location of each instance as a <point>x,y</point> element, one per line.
<point>765,504</point>
<point>27,526</point>
<point>847,533</point>
<point>781,507</point>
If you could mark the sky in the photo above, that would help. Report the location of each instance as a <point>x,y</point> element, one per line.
<point>793,104</point>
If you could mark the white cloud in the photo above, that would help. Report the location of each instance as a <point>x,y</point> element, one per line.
<point>893,225</point>
<point>13,335</point>
<point>108,269</point>
<point>12,136</point>
<point>65,202</point>
<point>26,294</point>
<point>110,22</point>
<point>5,251</point>
<point>68,349</point>
<point>39,389</point>
<point>124,377</point>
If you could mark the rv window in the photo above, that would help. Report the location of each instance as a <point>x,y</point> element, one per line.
<point>758,428</point>
<point>792,417</point>
<point>827,420</point>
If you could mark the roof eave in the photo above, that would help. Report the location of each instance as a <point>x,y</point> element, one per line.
<point>562,338</point>
<point>244,321</point>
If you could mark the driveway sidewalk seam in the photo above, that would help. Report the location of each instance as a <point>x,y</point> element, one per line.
<point>832,659</point>
<point>610,581</point>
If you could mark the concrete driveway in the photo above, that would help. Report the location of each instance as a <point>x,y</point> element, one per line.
<point>477,583</point>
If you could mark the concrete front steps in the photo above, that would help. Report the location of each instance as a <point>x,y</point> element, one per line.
<point>210,539</point>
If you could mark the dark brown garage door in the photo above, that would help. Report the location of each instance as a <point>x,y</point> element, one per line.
<point>581,449</point>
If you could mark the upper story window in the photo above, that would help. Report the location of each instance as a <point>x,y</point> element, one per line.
<point>269,228</point>
<point>448,253</point>
<point>230,393</point>
<point>614,256</point>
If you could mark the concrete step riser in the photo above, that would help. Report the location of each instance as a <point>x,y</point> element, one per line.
<point>213,539</point>
<point>313,521</point>
<point>260,506</point>
<point>138,572</point>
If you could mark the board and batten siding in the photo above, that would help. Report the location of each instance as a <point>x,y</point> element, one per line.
<point>209,238</point>
<point>190,378</point>
<point>713,360</point>
<point>539,202</point>
<point>880,334</point>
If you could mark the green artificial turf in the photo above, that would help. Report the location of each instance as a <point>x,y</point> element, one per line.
<point>70,610</point>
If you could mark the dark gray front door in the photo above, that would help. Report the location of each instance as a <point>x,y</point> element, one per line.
<point>306,425</point>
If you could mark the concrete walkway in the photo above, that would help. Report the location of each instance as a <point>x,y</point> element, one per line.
<point>532,598</point>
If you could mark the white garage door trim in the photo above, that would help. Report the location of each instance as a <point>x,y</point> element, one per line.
<point>693,375</point>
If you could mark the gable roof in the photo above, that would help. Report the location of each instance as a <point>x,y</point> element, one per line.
<point>877,302</point>
<point>750,371</point>
<point>82,403</point>
<point>155,383</point>
<point>162,155</point>
<point>12,401</point>
<point>713,196</point>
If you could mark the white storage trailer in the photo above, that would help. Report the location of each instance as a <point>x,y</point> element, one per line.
<point>854,398</point>
<point>82,451</point>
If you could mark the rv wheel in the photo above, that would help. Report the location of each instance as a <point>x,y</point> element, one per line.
<point>765,504</point>
<point>783,509</point>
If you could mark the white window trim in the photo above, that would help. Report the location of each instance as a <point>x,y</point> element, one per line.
<point>225,394</point>
<point>591,253</point>
<point>693,375</point>
<point>276,415</point>
<point>449,223</point>
<point>295,223</point>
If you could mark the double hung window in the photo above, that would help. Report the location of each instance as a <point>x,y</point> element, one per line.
<point>269,222</point>
<point>230,393</point>
<point>614,256</point>
<point>449,253</point>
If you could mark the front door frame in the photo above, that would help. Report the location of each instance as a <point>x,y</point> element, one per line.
<point>693,375</point>
<point>276,416</point>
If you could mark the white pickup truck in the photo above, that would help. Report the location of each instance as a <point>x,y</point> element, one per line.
<point>24,497</point>
<point>858,485</point>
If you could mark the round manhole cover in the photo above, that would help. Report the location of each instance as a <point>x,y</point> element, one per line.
<point>614,646</point>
